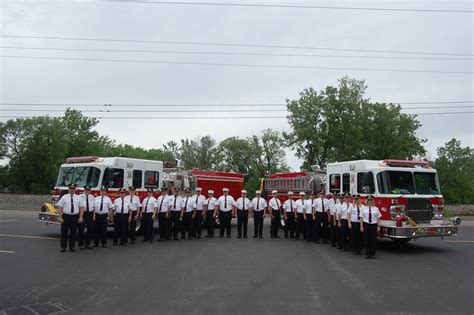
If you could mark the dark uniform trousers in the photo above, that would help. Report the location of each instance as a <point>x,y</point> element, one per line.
<point>88,223</point>
<point>147,226</point>
<point>210,222</point>
<point>275,223</point>
<point>224,221</point>
<point>163,226</point>
<point>300,225</point>
<point>176,225</point>
<point>290,224</point>
<point>344,234</point>
<point>69,230</point>
<point>132,227</point>
<point>309,227</point>
<point>258,223</point>
<point>321,227</point>
<point>333,230</point>
<point>120,228</point>
<point>370,233</point>
<point>187,225</point>
<point>100,229</point>
<point>356,237</point>
<point>242,222</point>
<point>197,224</point>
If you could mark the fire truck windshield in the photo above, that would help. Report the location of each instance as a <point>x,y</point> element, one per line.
<point>80,176</point>
<point>404,182</point>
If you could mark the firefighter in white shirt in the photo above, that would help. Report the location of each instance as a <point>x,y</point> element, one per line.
<point>122,217</point>
<point>176,202</point>
<point>69,215</point>
<point>199,201</point>
<point>289,209</point>
<point>209,212</point>
<point>274,209</point>
<point>332,218</point>
<point>226,207</point>
<point>300,210</point>
<point>370,217</point>
<point>309,218</point>
<point>134,205</point>
<point>259,205</point>
<point>163,204</point>
<point>104,207</point>
<point>147,215</point>
<point>343,222</point>
<point>187,209</point>
<point>87,206</point>
<point>321,213</point>
<point>243,206</point>
<point>354,226</point>
<point>339,201</point>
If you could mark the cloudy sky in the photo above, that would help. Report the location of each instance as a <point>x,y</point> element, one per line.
<point>447,35</point>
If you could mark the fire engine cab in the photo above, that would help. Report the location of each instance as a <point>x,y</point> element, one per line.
<point>121,172</point>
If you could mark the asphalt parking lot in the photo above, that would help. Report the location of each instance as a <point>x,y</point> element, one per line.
<point>216,276</point>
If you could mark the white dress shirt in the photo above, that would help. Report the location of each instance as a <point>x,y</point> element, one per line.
<point>187,203</point>
<point>274,203</point>
<point>175,202</point>
<point>134,202</point>
<point>103,204</point>
<point>318,205</point>
<point>67,200</point>
<point>241,202</point>
<point>259,204</point>
<point>199,202</point>
<point>87,200</point>
<point>122,207</point>
<point>375,214</point>
<point>301,205</point>
<point>225,204</point>
<point>149,204</point>
<point>337,207</point>
<point>163,203</point>
<point>210,204</point>
<point>354,214</point>
<point>289,205</point>
<point>344,210</point>
<point>332,207</point>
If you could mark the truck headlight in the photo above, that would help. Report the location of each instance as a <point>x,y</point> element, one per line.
<point>438,211</point>
<point>396,211</point>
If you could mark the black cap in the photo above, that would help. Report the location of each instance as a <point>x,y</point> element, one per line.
<point>131,188</point>
<point>103,188</point>
<point>187,190</point>
<point>346,195</point>
<point>356,196</point>
<point>164,189</point>
<point>87,187</point>
<point>150,190</point>
<point>370,197</point>
<point>122,190</point>
<point>72,186</point>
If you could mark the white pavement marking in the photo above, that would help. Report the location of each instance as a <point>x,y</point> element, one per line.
<point>30,236</point>
<point>7,252</point>
<point>460,241</point>
<point>11,220</point>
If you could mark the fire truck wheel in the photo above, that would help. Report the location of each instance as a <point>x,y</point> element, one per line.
<point>401,241</point>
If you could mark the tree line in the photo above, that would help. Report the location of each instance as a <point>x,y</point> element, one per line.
<point>337,123</point>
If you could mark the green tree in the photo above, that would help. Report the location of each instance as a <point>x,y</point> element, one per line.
<point>455,166</point>
<point>201,153</point>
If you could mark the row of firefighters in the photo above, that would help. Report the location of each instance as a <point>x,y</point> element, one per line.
<point>340,220</point>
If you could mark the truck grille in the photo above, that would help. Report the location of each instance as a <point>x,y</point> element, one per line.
<point>419,210</point>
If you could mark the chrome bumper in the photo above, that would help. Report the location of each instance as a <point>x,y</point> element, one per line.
<point>48,218</point>
<point>422,230</point>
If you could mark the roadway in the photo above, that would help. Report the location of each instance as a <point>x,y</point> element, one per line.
<point>215,276</point>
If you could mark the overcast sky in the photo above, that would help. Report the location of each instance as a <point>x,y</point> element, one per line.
<point>66,81</point>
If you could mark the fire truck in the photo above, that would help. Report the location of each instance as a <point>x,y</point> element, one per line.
<point>407,192</point>
<point>121,172</point>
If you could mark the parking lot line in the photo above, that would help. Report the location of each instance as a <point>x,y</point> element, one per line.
<point>459,241</point>
<point>30,236</point>
<point>10,220</point>
<point>7,252</point>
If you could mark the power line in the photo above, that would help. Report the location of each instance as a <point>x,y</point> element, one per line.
<point>237,65</point>
<point>233,45</point>
<point>232,53</point>
<point>258,5</point>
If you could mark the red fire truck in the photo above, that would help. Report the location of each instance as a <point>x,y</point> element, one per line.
<point>120,172</point>
<point>406,192</point>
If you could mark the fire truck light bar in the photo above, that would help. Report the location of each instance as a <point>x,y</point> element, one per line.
<point>406,163</point>
<point>81,159</point>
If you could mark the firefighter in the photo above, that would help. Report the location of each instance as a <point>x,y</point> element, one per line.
<point>354,226</point>
<point>134,206</point>
<point>321,212</point>
<point>103,213</point>
<point>259,205</point>
<point>309,218</point>
<point>163,205</point>
<point>175,201</point>
<point>147,215</point>
<point>289,209</point>
<point>69,215</point>
<point>274,209</point>
<point>333,200</point>
<point>370,217</point>
<point>187,209</point>
<point>87,206</point>
<point>122,217</point>
<point>243,205</point>
<point>339,201</point>
<point>199,201</point>
<point>210,213</point>
<point>345,209</point>
<point>226,207</point>
<point>300,210</point>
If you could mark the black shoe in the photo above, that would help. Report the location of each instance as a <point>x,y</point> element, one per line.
<point>133,242</point>
<point>72,249</point>
<point>123,244</point>
<point>286,237</point>
<point>367,256</point>
<point>182,237</point>
<point>96,245</point>
<point>255,236</point>
<point>272,237</point>
<point>114,244</point>
<point>81,247</point>
<point>297,238</point>
<point>333,245</point>
<point>354,253</point>
<point>372,257</point>
<point>149,241</point>
<point>245,236</point>
<point>88,247</point>
<point>208,236</point>
<point>143,241</point>
<point>221,236</point>
<point>62,250</point>
<point>277,236</point>
<point>229,236</point>
<point>260,236</point>
<point>175,238</point>
<point>104,245</point>
<point>199,236</point>
<point>239,236</point>
<point>344,250</point>
<point>316,242</point>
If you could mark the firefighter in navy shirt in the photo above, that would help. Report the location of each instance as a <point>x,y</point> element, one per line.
<point>87,206</point>
<point>69,215</point>
<point>370,217</point>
